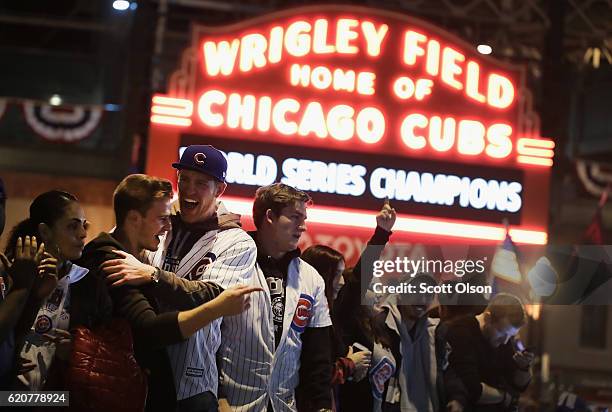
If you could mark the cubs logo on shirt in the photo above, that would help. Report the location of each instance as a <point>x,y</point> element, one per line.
<point>379,375</point>
<point>303,312</point>
<point>200,267</point>
<point>43,324</point>
<point>278,308</point>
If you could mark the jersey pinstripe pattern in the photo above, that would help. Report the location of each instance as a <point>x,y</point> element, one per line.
<point>253,373</point>
<point>194,361</point>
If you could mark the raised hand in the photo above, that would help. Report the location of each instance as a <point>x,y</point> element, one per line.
<point>386,217</point>
<point>27,249</point>
<point>28,255</point>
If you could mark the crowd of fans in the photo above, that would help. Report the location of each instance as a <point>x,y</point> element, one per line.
<point>179,309</point>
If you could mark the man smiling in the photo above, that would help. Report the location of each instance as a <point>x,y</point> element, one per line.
<point>142,209</point>
<point>206,245</point>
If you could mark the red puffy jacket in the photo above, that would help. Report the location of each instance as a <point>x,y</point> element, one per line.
<point>102,374</point>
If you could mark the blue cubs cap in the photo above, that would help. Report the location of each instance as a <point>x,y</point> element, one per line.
<point>204,159</point>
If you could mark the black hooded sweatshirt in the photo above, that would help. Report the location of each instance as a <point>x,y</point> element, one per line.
<point>152,330</point>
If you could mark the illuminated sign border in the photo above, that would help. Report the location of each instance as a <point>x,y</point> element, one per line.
<point>405,223</point>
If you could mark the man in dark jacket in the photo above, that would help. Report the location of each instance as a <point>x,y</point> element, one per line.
<point>142,209</point>
<point>486,356</point>
<point>206,243</point>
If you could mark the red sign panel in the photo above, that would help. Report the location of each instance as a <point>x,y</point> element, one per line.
<point>363,82</point>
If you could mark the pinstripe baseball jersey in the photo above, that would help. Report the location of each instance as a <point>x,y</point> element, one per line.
<point>226,258</point>
<point>252,372</point>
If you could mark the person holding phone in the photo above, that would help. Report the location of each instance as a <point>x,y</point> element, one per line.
<point>488,357</point>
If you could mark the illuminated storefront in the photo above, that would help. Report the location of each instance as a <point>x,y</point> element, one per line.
<point>354,105</point>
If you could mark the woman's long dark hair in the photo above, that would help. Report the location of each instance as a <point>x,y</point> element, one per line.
<point>325,260</point>
<point>47,208</point>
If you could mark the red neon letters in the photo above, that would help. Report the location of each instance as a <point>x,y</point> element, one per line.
<point>357,79</point>
<point>470,137</point>
<point>450,65</point>
<point>341,122</point>
<point>298,39</point>
<point>289,117</point>
<point>351,36</point>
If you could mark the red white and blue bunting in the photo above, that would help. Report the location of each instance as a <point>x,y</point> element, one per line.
<point>596,177</point>
<point>67,124</point>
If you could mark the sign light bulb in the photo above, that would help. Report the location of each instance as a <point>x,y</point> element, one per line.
<point>121,5</point>
<point>55,100</point>
<point>484,49</point>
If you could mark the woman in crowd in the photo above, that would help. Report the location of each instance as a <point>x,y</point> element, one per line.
<point>16,281</point>
<point>350,318</point>
<point>347,364</point>
<point>63,295</point>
